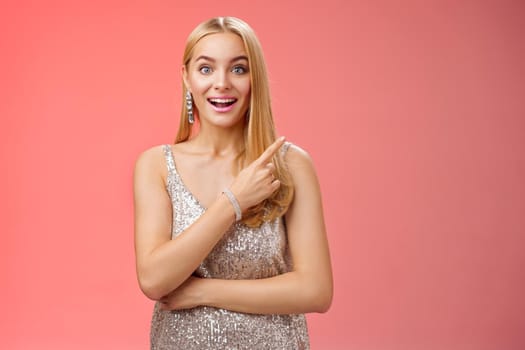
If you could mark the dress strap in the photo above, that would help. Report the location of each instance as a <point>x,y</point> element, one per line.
<point>170,162</point>
<point>285,147</point>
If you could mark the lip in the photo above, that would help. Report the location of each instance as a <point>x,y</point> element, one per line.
<point>222,109</point>
<point>222,97</point>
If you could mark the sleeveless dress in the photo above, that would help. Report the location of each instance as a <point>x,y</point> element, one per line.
<point>242,253</point>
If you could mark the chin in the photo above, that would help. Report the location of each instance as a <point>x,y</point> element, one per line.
<point>229,123</point>
<point>224,121</point>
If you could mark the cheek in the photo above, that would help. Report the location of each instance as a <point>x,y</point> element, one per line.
<point>199,85</point>
<point>245,88</point>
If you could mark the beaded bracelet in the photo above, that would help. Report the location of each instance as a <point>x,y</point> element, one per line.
<point>235,203</point>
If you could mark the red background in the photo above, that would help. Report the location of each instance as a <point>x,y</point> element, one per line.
<point>413,112</point>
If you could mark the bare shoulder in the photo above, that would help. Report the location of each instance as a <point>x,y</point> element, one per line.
<point>151,162</point>
<point>151,154</point>
<point>299,161</point>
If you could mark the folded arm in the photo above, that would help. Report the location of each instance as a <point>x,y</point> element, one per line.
<point>162,263</point>
<point>307,288</point>
<point>156,253</point>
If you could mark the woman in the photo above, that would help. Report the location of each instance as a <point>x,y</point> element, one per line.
<point>229,231</point>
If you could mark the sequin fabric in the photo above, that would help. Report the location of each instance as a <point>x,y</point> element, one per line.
<point>242,253</point>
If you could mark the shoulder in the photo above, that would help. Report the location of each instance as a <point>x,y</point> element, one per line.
<point>307,190</point>
<point>153,154</point>
<point>152,161</point>
<point>301,168</point>
<point>296,157</point>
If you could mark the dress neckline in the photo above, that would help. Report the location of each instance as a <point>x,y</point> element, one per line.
<point>173,169</point>
<point>179,178</point>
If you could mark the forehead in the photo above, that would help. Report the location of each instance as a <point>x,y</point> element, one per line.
<point>219,46</point>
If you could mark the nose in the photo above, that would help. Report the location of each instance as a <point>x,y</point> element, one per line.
<point>222,80</point>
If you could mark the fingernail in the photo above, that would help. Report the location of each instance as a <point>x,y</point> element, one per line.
<point>281,138</point>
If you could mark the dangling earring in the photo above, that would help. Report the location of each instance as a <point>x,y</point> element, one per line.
<point>189,107</point>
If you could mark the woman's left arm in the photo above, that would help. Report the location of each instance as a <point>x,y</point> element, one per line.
<point>307,288</point>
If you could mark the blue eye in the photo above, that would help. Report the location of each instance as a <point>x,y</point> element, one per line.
<point>205,70</point>
<point>239,70</point>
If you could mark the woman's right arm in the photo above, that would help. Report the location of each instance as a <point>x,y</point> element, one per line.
<point>163,263</point>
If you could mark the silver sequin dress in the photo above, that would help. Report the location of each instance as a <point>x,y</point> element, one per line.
<point>242,253</point>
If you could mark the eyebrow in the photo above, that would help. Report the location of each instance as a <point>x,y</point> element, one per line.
<point>207,58</point>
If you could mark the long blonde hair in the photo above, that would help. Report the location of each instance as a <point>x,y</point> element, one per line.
<point>260,130</point>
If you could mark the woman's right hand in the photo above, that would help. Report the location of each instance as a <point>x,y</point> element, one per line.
<point>256,182</point>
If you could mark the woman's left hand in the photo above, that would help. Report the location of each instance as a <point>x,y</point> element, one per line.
<point>186,296</point>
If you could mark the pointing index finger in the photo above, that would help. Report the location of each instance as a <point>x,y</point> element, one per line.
<point>271,150</point>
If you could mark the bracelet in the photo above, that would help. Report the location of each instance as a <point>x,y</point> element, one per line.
<point>235,203</point>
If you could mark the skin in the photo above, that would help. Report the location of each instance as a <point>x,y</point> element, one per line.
<point>308,287</point>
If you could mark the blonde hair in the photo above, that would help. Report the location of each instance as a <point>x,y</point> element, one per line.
<point>260,130</point>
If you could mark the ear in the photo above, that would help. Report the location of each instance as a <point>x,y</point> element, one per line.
<point>184,73</point>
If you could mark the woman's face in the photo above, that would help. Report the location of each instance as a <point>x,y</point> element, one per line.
<point>218,78</point>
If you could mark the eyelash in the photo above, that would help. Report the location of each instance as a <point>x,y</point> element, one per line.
<point>234,70</point>
<point>244,70</point>
<point>201,69</point>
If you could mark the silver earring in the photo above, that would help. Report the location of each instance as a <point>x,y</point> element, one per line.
<point>189,107</point>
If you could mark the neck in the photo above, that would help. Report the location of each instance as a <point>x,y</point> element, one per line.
<point>217,141</point>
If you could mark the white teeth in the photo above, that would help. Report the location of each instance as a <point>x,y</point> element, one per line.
<point>222,100</point>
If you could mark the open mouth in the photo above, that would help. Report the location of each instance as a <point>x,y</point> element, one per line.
<point>222,102</point>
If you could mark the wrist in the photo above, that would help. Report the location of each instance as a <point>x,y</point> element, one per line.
<point>234,203</point>
<point>207,292</point>
<point>225,207</point>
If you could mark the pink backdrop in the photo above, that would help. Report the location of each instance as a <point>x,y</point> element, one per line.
<point>413,112</point>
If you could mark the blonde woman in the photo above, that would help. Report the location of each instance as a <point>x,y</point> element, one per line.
<point>229,232</point>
